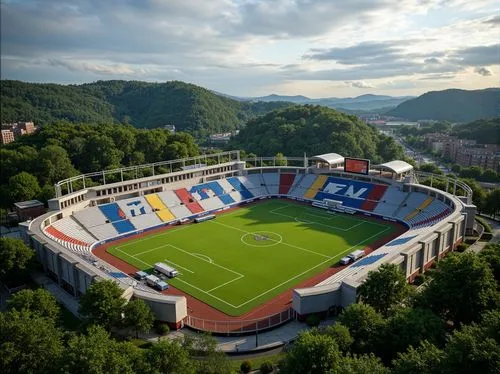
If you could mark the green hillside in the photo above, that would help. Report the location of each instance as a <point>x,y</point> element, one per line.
<point>451,105</point>
<point>314,130</point>
<point>141,104</point>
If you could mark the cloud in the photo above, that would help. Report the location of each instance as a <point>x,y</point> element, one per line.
<point>360,84</point>
<point>483,71</point>
<point>244,45</point>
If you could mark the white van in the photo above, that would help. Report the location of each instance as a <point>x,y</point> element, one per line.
<point>354,256</point>
<point>151,280</point>
<point>169,271</point>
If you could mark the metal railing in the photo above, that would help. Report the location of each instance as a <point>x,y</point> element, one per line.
<point>240,327</point>
<point>453,185</point>
<point>78,182</point>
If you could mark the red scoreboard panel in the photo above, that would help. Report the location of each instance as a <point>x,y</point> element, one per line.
<point>356,165</point>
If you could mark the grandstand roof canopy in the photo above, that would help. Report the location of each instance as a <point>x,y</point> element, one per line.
<point>329,158</point>
<point>396,166</point>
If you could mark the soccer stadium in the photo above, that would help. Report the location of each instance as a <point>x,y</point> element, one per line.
<point>230,245</point>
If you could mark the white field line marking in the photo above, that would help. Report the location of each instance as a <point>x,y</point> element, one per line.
<point>223,284</point>
<point>200,255</point>
<point>147,237</point>
<point>350,218</point>
<point>179,266</point>
<point>205,292</point>
<point>325,217</point>
<point>289,245</point>
<point>200,258</point>
<point>312,222</point>
<point>296,276</point>
<point>126,254</point>
<point>151,250</point>
<point>359,224</point>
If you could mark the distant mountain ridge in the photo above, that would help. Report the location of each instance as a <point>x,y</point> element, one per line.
<point>451,105</point>
<point>363,103</point>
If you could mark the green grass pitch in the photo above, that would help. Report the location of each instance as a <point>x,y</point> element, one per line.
<point>247,256</point>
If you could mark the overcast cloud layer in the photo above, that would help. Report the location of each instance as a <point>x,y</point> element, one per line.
<point>253,47</point>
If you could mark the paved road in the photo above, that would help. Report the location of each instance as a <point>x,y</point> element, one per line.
<point>495,228</point>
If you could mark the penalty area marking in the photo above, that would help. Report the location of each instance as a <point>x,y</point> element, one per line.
<point>262,234</point>
<point>204,256</point>
<point>303,221</point>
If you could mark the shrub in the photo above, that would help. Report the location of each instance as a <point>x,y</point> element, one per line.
<point>266,367</point>
<point>487,236</point>
<point>246,367</point>
<point>313,320</point>
<point>162,328</point>
<point>462,247</point>
<point>419,279</point>
<point>482,221</point>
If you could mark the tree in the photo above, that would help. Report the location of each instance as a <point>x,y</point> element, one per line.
<point>365,326</point>
<point>425,359</point>
<point>54,164</point>
<point>430,168</point>
<point>312,353</point>
<point>491,255</point>
<point>39,302</point>
<point>212,360</point>
<point>138,316</point>
<point>473,349</point>
<point>96,352</point>
<point>15,258</point>
<point>103,304</point>
<point>29,343</point>
<point>492,202</point>
<point>23,186</point>
<point>340,334</point>
<point>462,288</point>
<point>360,365</point>
<point>408,327</point>
<point>168,356</point>
<point>384,288</point>
<point>280,159</point>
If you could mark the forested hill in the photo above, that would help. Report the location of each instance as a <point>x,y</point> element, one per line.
<point>451,105</point>
<point>141,104</point>
<point>314,130</point>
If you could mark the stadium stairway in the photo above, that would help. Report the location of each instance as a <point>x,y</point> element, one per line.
<point>374,197</point>
<point>286,181</point>
<point>315,187</point>
<point>160,209</point>
<point>188,200</point>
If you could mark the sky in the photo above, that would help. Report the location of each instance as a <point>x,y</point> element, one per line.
<point>316,48</point>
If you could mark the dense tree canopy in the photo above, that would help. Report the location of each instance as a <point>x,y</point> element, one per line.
<point>138,316</point>
<point>141,104</point>
<point>40,302</point>
<point>15,257</point>
<point>103,304</point>
<point>314,130</point>
<point>384,288</point>
<point>29,343</point>
<point>61,150</point>
<point>462,288</point>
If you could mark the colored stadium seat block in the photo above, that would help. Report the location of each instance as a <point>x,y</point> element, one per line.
<point>59,235</point>
<point>286,181</point>
<point>373,197</point>
<point>161,209</point>
<point>238,186</point>
<point>188,200</point>
<point>421,207</point>
<point>315,187</point>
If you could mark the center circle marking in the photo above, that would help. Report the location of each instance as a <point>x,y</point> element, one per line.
<point>273,237</point>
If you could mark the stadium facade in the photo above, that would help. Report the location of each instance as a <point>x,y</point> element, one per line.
<point>97,208</point>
